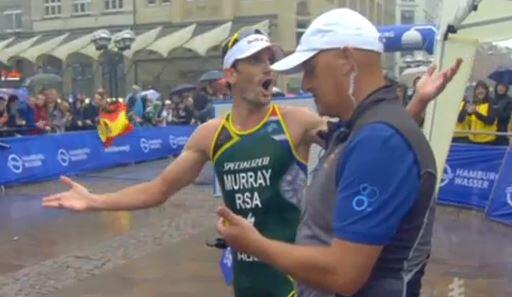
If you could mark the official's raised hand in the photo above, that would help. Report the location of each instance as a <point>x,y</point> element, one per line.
<point>433,83</point>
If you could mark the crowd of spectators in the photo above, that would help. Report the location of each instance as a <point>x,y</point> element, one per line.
<point>48,112</point>
<point>486,115</point>
<point>45,112</point>
<point>188,107</point>
<point>482,112</point>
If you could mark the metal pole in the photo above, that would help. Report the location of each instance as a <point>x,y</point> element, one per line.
<point>111,73</point>
<point>116,79</point>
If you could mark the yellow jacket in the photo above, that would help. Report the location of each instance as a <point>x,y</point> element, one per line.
<point>461,126</point>
<point>479,121</point>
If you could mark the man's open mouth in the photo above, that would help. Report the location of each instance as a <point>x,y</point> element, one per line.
<point>267,84</point>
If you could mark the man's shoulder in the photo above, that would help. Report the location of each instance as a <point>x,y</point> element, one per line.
<point>299,115</point>
<point>212,123</point>
<point>379,138</point>
<point>204,135</point>
<point>377,130</point>
<point>294,110</point>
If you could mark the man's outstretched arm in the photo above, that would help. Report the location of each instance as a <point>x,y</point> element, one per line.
<point>177,175</point>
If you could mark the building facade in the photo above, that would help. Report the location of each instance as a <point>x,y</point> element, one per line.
<point>179,39</point>
<point>13,17</point>
<point>288,19</point>
<point>70,15</point>
<point>291,15</point>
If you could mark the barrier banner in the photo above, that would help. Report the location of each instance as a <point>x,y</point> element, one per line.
<point>469,174</point>
<point>42,157</point>
<point>500,203</point>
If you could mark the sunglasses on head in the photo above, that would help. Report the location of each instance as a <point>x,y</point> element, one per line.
<point>230,43</point>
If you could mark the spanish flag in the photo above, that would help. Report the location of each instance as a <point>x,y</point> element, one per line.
<point>113,123</point>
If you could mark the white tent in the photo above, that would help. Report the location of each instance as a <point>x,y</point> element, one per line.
<point>464,26</point>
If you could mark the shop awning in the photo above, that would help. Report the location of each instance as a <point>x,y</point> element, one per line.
<point>166,44</point>
<point>203,42</point>
<point>63,51</point>
<point>11,51</point>
<point>142,41</point>
<point>262,26</point>
<point>33,52</point>
<point>6,42</point>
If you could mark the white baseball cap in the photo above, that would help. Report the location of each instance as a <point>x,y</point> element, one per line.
<point>248,46</point>
<point>336,28</point>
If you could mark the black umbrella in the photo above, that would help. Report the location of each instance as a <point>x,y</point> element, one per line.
<point>178,90</point>
<point>212,75</point>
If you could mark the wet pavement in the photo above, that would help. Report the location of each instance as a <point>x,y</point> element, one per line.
<point>161,251</point>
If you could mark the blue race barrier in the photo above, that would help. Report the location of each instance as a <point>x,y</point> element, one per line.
<point>500,203</point>
<point>469,175</point>
<point>36,158</point>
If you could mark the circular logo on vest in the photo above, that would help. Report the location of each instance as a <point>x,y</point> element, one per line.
<point>63,157</point>
<point>447,175</point>
<point>366,195</point>
<point>15,163</point>
<point>144,145</point>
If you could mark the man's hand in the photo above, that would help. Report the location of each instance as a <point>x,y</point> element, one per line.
<point>433,83</point>
<point>237,231</point>
<point>77,198</point>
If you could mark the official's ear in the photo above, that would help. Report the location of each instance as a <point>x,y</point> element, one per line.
<point>347,60</point>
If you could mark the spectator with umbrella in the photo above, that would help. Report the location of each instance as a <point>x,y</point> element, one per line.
<point>182,89</point>
<point>184,113</point>
<point>203,99</point>
<point>502,105</point>
<point>183,102</point>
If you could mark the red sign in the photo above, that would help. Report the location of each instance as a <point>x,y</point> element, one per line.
<point>10,75</point>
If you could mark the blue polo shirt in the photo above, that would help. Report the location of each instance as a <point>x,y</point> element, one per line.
<point>375,192</point>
